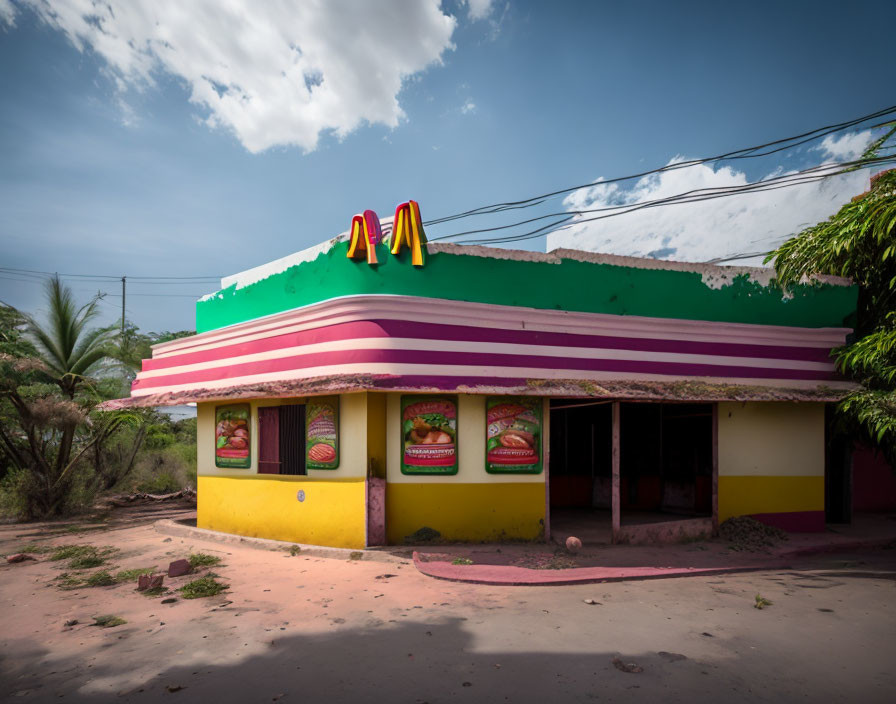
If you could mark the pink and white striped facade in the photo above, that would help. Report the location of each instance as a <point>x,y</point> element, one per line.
<point>410,342</point>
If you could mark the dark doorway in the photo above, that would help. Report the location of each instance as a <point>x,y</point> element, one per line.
<point>281,439</point>
<point>838,450</point>
<point>581,446</point>
<point>665,461</point>
<point>665,472</point>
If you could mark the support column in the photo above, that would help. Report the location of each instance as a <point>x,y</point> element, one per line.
<point>616,503</point>
<point>715,469</point>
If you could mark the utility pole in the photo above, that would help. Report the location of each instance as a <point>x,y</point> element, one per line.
<point>123,284</point>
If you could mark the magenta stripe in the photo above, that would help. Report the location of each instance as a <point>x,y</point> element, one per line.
<point>475,359</point>
<point>465,333</point>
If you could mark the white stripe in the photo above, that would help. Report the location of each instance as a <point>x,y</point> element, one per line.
<point>417,345</point>
<point>430,310</point>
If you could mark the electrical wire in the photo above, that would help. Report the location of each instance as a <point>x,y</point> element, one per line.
<point>746,153</point>
<point>809,175</point>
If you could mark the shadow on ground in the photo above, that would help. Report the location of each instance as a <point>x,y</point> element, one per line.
<point>406,662</point>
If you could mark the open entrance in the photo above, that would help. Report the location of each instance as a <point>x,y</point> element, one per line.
<point>281,439</point>
<point>666,462</point>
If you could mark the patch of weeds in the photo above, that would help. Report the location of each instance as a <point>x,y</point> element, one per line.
<point>461,561</point>
<point>761,602</point>
<point>35,549</point>
<point>67,581</point>
<point>295,550</point>
<point>108,621</point>
<point>86,561</point>
<point>356,555</point>
<point>100,579</point>
<point>202,587</point>
<point>66,552</point>
<point>83,556</point>
<point>422,535</point>
<point>201,559</point>
<point>132,574</point>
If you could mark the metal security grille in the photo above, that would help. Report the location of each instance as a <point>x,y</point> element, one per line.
<point>292,439</point>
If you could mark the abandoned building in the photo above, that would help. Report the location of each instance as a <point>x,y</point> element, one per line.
<point>356,393</point>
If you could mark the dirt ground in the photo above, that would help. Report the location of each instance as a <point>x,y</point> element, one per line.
<point>298,628</point>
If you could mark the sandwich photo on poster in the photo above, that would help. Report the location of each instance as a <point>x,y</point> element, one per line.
<point>513,435</point>
<point>322,433</point>
<point>429,435</point>
<point>232,436</point>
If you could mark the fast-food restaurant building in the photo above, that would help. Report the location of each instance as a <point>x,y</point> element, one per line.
<point>351,396</point>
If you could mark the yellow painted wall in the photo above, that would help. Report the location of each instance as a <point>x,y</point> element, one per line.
<point>771,458</point>
<point>739,496</point>
<point>266,506</point>
<point>243,502</point>
<point>471,505</point>
<point>466,512</point>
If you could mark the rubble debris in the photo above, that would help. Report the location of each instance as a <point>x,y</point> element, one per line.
<point>150,581</point>
<point>19,557</point>
<point>626,667</point>
<point>178,568</point>
<point>749,535</point>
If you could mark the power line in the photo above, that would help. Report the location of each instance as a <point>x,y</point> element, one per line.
<point>108,279</point>
<point>746,153</point>
<point>569,218</point>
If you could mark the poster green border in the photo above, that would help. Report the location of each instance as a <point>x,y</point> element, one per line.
<point>413,469</point>
<point>231,462</point>
<point>320,401</point>
<point>538,408</point>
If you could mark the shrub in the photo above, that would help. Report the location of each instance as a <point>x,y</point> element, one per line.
<point>201,559</point>
<point>202,587</point>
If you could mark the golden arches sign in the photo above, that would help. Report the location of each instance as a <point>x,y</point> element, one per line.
<point>407,231</point>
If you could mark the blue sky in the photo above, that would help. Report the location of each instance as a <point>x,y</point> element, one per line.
<point>108,167</point>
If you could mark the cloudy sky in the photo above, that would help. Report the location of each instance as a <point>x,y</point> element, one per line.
<point>162,138</point>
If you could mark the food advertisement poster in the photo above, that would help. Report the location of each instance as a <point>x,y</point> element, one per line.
<point>232,436</point>
<point>429,435</point>
<point>513,435</point>
<point>322,433</point>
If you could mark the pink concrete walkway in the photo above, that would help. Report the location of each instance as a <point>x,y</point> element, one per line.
<point>508,575</point>
<point>546,564</point>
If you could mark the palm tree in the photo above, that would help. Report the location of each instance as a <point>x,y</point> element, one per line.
<point>68,349</point>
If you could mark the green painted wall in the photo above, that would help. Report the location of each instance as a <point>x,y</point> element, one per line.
<point>570,285</point>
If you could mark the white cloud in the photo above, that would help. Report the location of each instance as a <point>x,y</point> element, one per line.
<point>479,9</point>
<point>711,229</point>
<point>468,107</point>
<point>7,13</point>
<point>846,147</point>
<point>275,74</point>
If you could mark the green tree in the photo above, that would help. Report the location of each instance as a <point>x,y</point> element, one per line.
<point>46,399</point>
<point>859,242</point>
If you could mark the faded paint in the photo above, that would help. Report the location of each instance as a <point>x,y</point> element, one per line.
<point>569,281</point>
<point>630,390</point>
<point>664,532</point>
<point>376,511</point>
<point>267,506</point>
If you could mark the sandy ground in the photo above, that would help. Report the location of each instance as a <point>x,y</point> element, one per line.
<point>297,628</point>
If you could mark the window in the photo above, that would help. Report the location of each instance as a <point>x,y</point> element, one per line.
<point>281,439</point>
